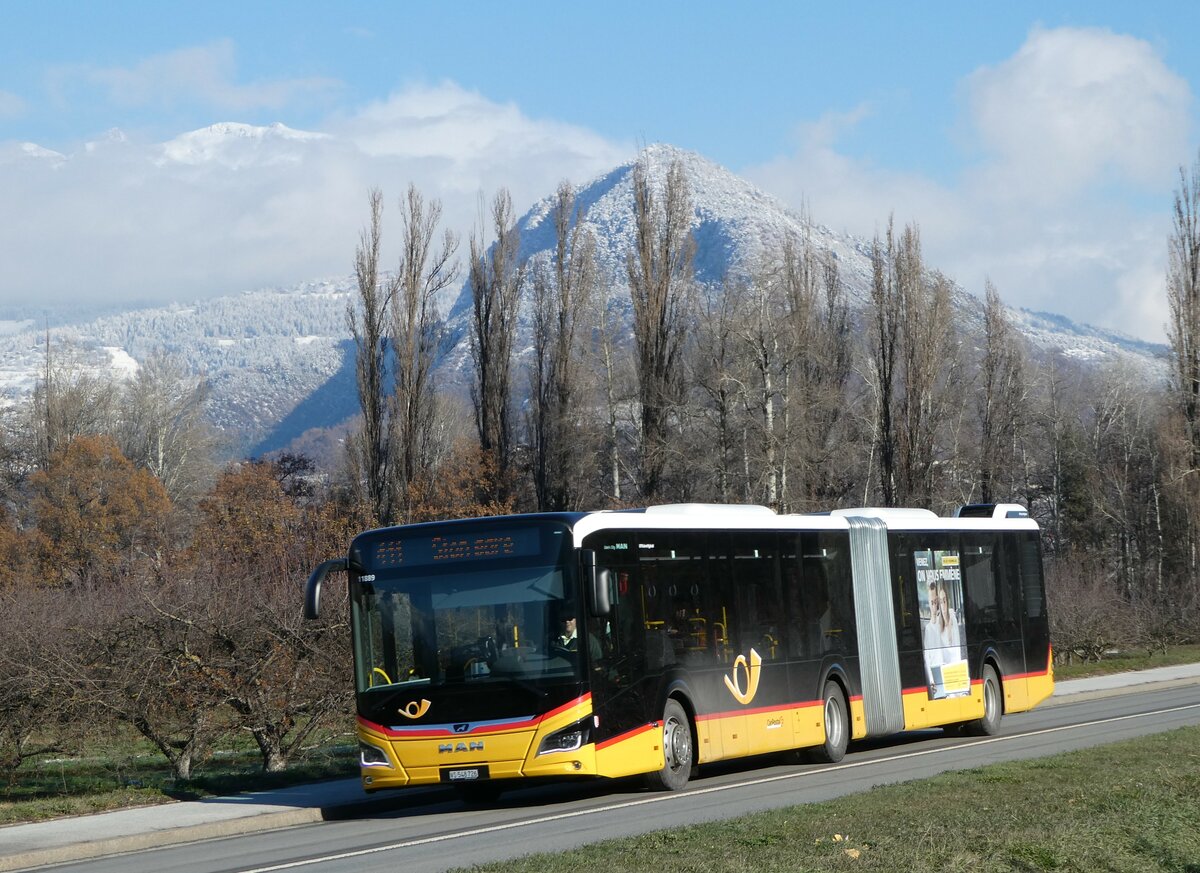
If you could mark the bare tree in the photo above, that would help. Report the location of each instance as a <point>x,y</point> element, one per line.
<point>817,318</point>
<point>136,663</point>
<point>71,399</point>
<point>1124,458</point>
<point>1183,297</point>
<point>886,314</point>
<point>38,714</point>
<point>761,336</point>
<point>614,366</point>
<point>283,681</point>
<point>422,273</point>
<point>660,270</point>
<point>496,278</point>
<point>719,382</point>
<point>1000,399</point>
<point>561,294</point>
<point>366,316</point>
<point>913,353</point>
<point>163,429</point>
<point>929,357</point>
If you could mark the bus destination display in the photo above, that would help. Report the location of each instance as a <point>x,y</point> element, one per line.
<point>458,548</point>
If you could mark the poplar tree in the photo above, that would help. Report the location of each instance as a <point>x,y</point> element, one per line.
<point>562,293</point>
<point>661,274</point>
<point>366,316</point>
<point>496,277</point>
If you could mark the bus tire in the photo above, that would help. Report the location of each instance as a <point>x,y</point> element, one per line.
<point>837,726</point>
<point>679,752</point>
<point>993,707</point>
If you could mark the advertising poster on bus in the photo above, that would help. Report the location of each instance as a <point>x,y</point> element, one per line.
<point>943,634</point>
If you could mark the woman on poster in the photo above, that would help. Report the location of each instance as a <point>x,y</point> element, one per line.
<point>942,638</point>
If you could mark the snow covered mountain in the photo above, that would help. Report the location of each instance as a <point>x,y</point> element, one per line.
<point>236,145</point>
<point>280,361</point>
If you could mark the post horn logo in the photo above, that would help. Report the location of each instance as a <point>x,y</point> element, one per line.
<point>752,671</point>
<point>414,709</point>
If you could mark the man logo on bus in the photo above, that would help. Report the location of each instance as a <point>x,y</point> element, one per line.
<point>414,709</point>
<point>752,670</point>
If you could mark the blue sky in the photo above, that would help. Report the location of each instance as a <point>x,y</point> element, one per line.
<point>1035,144</point>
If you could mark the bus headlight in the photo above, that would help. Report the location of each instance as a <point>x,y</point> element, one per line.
<point>568,739</point>
<point>372,756</point>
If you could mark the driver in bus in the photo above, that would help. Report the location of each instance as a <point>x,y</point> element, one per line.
<point>568,638</point>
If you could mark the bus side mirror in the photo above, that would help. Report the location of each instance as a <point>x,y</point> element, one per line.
<point>312,591</point>
<point>597,579</point>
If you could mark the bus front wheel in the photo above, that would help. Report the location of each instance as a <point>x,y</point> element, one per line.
<point>679,755</point>
<point>837,727</point>
<point>993,707</point>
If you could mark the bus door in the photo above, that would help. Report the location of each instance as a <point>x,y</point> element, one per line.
<point>686,626</point>
<point>761,715</point>
<point>992,602</point>
<point>819,604</point>
<point>617,678</point>
<point>934,639</point>
<point>1035,629</point>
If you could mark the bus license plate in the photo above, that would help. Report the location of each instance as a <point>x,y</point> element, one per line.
<point>464,774</point>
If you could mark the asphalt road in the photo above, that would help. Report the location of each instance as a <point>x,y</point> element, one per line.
<point>432,831</point>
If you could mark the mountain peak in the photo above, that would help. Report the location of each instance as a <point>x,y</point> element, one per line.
<point>235,144</point>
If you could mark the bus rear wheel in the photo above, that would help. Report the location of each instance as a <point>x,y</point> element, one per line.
<point>837,727</point>
<point>993,707</point>
<point>679,756</point>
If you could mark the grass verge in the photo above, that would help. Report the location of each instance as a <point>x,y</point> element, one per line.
<point>1126,661</point>
<point>1129,807</point>
<point>136,776</point>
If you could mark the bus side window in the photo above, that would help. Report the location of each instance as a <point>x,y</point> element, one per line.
<point>621,633</point>
<point>979,578</point>
<point>904,592</point>
<point>835,551</point>
<point>720,606</point>
<point>1031,575</point>
<point>757,585</point>
<point>688,595</point>
<point>792,576</point>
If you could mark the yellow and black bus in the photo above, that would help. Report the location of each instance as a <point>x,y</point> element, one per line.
<point>653,641</point>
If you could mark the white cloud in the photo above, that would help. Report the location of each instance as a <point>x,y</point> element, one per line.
<point>479,143</point>
<point>207,74</point>
<point>1075,132</point>
<point>1073,105</point>
<point>233,207</point>
<point>848,194</point>
<point>11,106</point>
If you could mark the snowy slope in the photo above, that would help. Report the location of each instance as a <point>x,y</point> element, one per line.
<point>279,360</point>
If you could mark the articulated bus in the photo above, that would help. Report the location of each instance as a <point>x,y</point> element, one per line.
<point>607,644</point>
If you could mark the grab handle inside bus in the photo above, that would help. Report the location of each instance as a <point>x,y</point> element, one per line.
<point>312,591</point>
<point>597,582</point>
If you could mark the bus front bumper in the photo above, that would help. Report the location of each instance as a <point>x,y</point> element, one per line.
<point>394,759</point>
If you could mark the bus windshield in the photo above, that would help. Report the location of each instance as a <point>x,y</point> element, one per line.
<point>475,621</point>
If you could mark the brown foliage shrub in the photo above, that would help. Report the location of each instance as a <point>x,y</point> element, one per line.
<point>1087,616</point>
<point>97,514</point>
